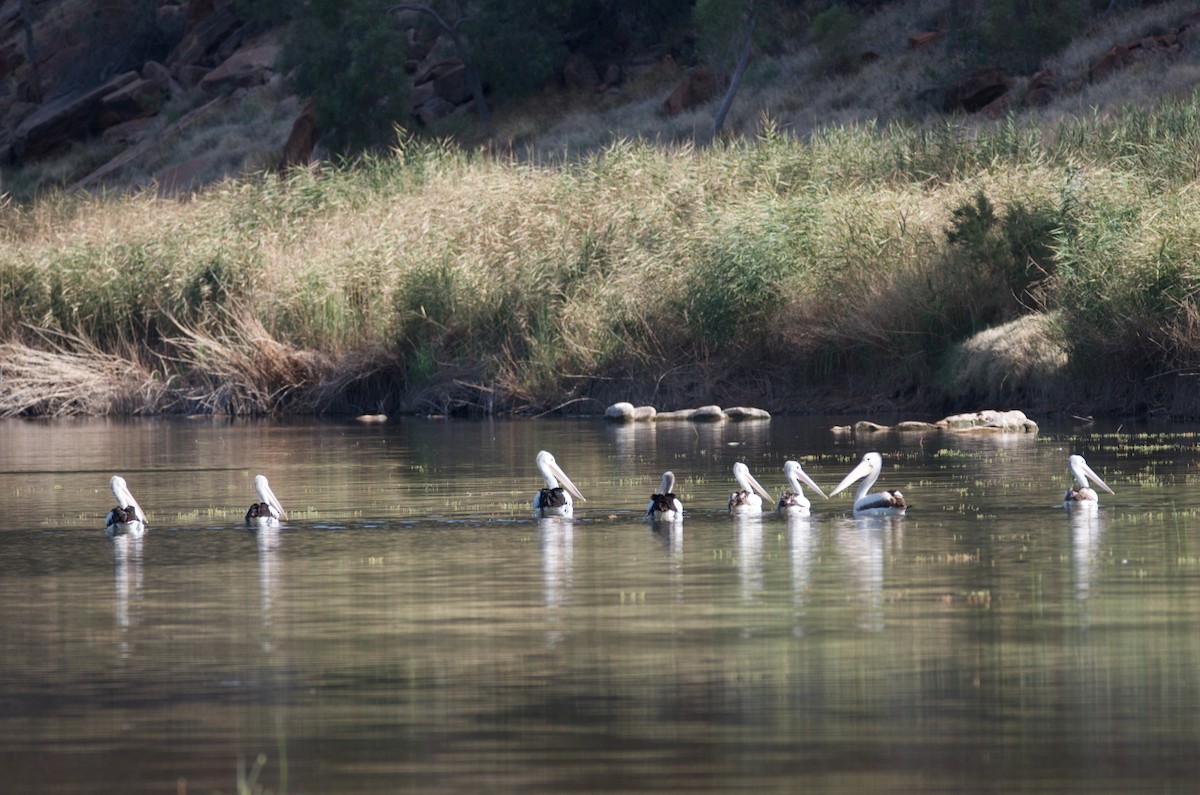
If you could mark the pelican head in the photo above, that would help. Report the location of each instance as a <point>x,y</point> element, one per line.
<point>1081,492</point>
<point>127,517</point>
<point>267,511</point>
<point>555,499</point>
<point>794,501</point>
<point>883,502</point>
<point>751,494</point>
<point>665,506</point>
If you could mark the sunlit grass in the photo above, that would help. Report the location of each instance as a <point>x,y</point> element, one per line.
<point>437,279</point>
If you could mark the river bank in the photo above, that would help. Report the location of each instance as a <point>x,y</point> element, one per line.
<point>867,269</point>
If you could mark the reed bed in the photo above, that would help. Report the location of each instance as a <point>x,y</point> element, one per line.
<point>847,271</point>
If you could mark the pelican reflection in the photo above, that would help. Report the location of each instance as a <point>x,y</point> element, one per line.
<point>557,546</point>
<point>267,541</point>
<point>800,542</point>
<point>127,580</point>
<point>1086,531</point>
<point>748,531</point>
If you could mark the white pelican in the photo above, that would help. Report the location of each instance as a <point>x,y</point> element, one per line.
<point>747,500</point>
<point>127,517</point>
<point>665,506</point>
<point>794,501</point>
<point>890,503</point>
<point>1081,492</point>
<point>555,499</point>
<point>267,511</point>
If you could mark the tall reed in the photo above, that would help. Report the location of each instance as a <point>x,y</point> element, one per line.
<point>841,271</point>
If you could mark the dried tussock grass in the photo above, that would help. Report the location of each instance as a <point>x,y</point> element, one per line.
<point>72,377</point>
<point>243,369</point>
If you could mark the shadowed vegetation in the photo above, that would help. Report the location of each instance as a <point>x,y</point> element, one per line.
<point>841,272</point>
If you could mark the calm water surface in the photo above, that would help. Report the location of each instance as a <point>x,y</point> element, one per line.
<point>413,627</point>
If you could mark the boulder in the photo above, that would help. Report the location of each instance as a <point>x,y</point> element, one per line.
<point>433,110</point>
<point>627,412</point>
<point>72,117</point>
<point>249,66</point>
<point>863,426</point>
<point>622,412</point>
<point>976,90</point>
<point>139,99</point>
<point>915,426</point>
<point>1120,56</point>
<point>129,132</point>
<point>189,76</point>
<point>206,32</point>
<point>1041,89</point>
<point>1013,421</point>
<point>448,79</point>
<point>160,76</point>
<point>698,86</point>
<point>738,413</point>
<point>708,414</point>
<point>925,38</point>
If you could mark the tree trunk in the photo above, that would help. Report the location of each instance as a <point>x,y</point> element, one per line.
<point>743,59</point>
<point>35,87</point>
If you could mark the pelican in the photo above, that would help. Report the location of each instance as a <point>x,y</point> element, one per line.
<point>794,501</point>
<point>127,517</point>
<point>1081,492</point>
<point>267,511</point>
<point>555,499</point>
<point>881,503</point>
<point>665,506</point>
<point>747,500</point>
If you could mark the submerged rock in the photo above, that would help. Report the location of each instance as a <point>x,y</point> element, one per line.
<point>739,413</point>
<point>627,412</point>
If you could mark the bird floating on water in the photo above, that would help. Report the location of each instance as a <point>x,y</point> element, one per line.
<point>881,503</point>
<point>665,506</point>
<point>555,499</point>
<point>267,511</point>
<point>127,518</point>
<point>794,502</point>
<point>748,499</point>
<point>1081,492</point>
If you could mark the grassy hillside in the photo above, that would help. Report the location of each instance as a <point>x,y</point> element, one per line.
<point>1047,262</point>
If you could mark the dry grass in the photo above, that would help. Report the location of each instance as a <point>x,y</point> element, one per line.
<point>70,376</point>
<point>770,271</point>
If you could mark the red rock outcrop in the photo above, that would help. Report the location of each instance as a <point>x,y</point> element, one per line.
<point>977,90</point>
<point>54,125</point>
